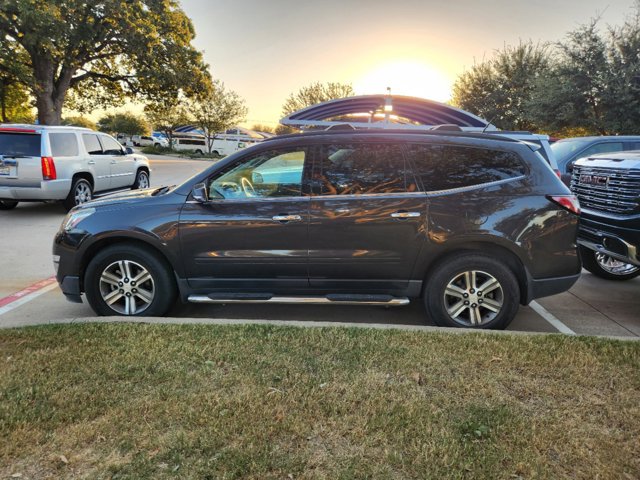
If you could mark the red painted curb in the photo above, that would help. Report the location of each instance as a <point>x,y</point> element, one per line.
<point>26,291</point>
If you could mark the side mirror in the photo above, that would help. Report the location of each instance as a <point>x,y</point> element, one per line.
<point>128,150</point>
<point>199,193</point>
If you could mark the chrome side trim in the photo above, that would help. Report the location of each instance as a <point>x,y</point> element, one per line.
<point>437,193</point>
<point>395,302</point>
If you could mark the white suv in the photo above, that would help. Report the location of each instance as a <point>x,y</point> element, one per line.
<point>71,164</point>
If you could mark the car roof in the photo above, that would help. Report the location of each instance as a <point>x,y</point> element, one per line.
<point>603,137</point>
<point>23,126</point>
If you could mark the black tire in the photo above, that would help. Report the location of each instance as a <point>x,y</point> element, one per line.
<point>156,145</point>
<point>198,152</point>
<point>613,271</point>
<point>81,192</point>
<point>164,287</point>
<point>216,153</point>
<point>8,204</point>
<point>479,311</point>
<point>142,180</point>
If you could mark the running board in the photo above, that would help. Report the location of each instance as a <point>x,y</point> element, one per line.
<point>333,299</point>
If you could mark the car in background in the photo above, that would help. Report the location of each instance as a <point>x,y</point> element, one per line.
<point>568,150</point>
<point>473,225</point>
<point>149,141</point>
<point>608,188</point>
<point>69,164</point>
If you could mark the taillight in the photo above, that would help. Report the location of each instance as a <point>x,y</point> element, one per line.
<point>558,173</point>
<point>48,168</point>
<point>568,202</point>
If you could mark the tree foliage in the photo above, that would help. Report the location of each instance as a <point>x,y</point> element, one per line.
<point>103,50</point>
<point>14,103</point>
<point>217,110</point>
<point>499,89</point>
<point>124,122</point>
<point>316,93</point>
<point>79,122</point>
<point>167,115</point>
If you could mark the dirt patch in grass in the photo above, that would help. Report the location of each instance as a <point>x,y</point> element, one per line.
<point>194,401</point>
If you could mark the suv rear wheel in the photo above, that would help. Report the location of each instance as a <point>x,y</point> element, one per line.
<point>607,267</point>
<point>81,192</point>
<point>127,280</point>
<point>472,291</point>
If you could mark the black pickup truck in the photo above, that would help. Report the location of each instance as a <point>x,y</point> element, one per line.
<point>608,187</point>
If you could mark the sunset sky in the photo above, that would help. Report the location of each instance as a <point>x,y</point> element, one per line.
<point>267,49</point>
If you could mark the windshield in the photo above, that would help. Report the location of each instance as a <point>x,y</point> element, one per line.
<point>566,148</point>
<point>19,144</point>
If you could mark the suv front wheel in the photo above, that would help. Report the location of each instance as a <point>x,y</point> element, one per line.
<point>472,291</point>
<point>127,280</point>
<point>607,267</point>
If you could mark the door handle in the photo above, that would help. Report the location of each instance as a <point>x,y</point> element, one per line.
<point>91,162</point>
<point>287,218</point>
<point>405,215</point>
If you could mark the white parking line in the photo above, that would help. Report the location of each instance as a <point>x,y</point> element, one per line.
<point>551,318</point>
<point>22,299</point>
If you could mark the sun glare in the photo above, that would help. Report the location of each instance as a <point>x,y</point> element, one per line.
<point>405,77</point>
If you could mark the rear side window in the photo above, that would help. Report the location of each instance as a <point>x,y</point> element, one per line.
<point>92,144</point>
<point>445,168</point>
<point>63,144</point>
<point>353,169</point>
<point>19,144</point>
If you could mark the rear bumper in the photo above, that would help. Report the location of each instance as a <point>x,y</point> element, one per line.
<point>545,287</point>
<point>48,190</point>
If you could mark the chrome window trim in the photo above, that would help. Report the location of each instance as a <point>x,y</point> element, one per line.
<point>437,193</point>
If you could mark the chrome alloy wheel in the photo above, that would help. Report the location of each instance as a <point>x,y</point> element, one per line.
<point>127,287</point>
<point>473,298</point>
<point>143,180</point>
<point>613,266</point>
<point>82,193</point>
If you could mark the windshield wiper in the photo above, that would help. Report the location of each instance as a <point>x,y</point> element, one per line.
<point>15,156</point>
<point>161,190</point>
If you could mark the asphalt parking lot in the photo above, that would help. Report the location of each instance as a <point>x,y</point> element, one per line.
<point>592,307</point>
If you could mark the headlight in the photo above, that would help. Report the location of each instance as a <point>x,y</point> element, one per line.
<point>75,217</point>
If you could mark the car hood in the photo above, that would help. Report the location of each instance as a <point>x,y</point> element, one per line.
<point>125,198</point>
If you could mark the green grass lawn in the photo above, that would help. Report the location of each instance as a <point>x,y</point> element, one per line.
<point>209,402</point>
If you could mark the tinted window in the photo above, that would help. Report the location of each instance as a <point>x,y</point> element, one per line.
<point>275,173</point>
<point>444,168</point>
<point>20,144</point>
<point>608,147</point>
<point>110,146</point>
<point>63,144</point>
<point>360,169</point>
<point>92,144</point>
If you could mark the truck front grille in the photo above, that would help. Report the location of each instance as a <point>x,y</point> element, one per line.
<point>607,189</point>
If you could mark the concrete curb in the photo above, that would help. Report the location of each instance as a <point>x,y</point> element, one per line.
<point>306,324</point>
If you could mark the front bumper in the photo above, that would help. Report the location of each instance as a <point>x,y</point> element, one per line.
<point>620,243</point>
<point>48,190</point>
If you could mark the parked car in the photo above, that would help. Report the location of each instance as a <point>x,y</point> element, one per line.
<point>570,150</point>
<point>70,164</point>
<point>473,224</point>
<point>608,186</point>
<point>149,141</point>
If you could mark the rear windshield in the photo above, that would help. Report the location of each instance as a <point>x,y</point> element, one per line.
<point>19,144</point>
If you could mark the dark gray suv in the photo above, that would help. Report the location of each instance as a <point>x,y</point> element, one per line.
<point>473,224</point>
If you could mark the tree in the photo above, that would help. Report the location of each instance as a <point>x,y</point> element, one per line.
<point>110,49</point>
<point>124,122</point>
<point>167,115</point>
<point>316,93</point>
<point>79,122</point>
<point>217,110</point>
<point>14,102</point>
<point>499,89</point>
<point>260,127</point>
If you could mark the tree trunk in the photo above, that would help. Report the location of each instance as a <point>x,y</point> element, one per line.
<point>49,92</point>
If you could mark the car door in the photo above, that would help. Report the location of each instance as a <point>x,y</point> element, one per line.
<point>122,166</point>
<point>252,234</point>
<point>367,219</point>
<point>97,163</point>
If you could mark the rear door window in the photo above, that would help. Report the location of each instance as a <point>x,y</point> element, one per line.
<point>63,144</point>
<point>92,144</point>
<point>361,169</point>
<point>446,168</point>
<point>19,144</point>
